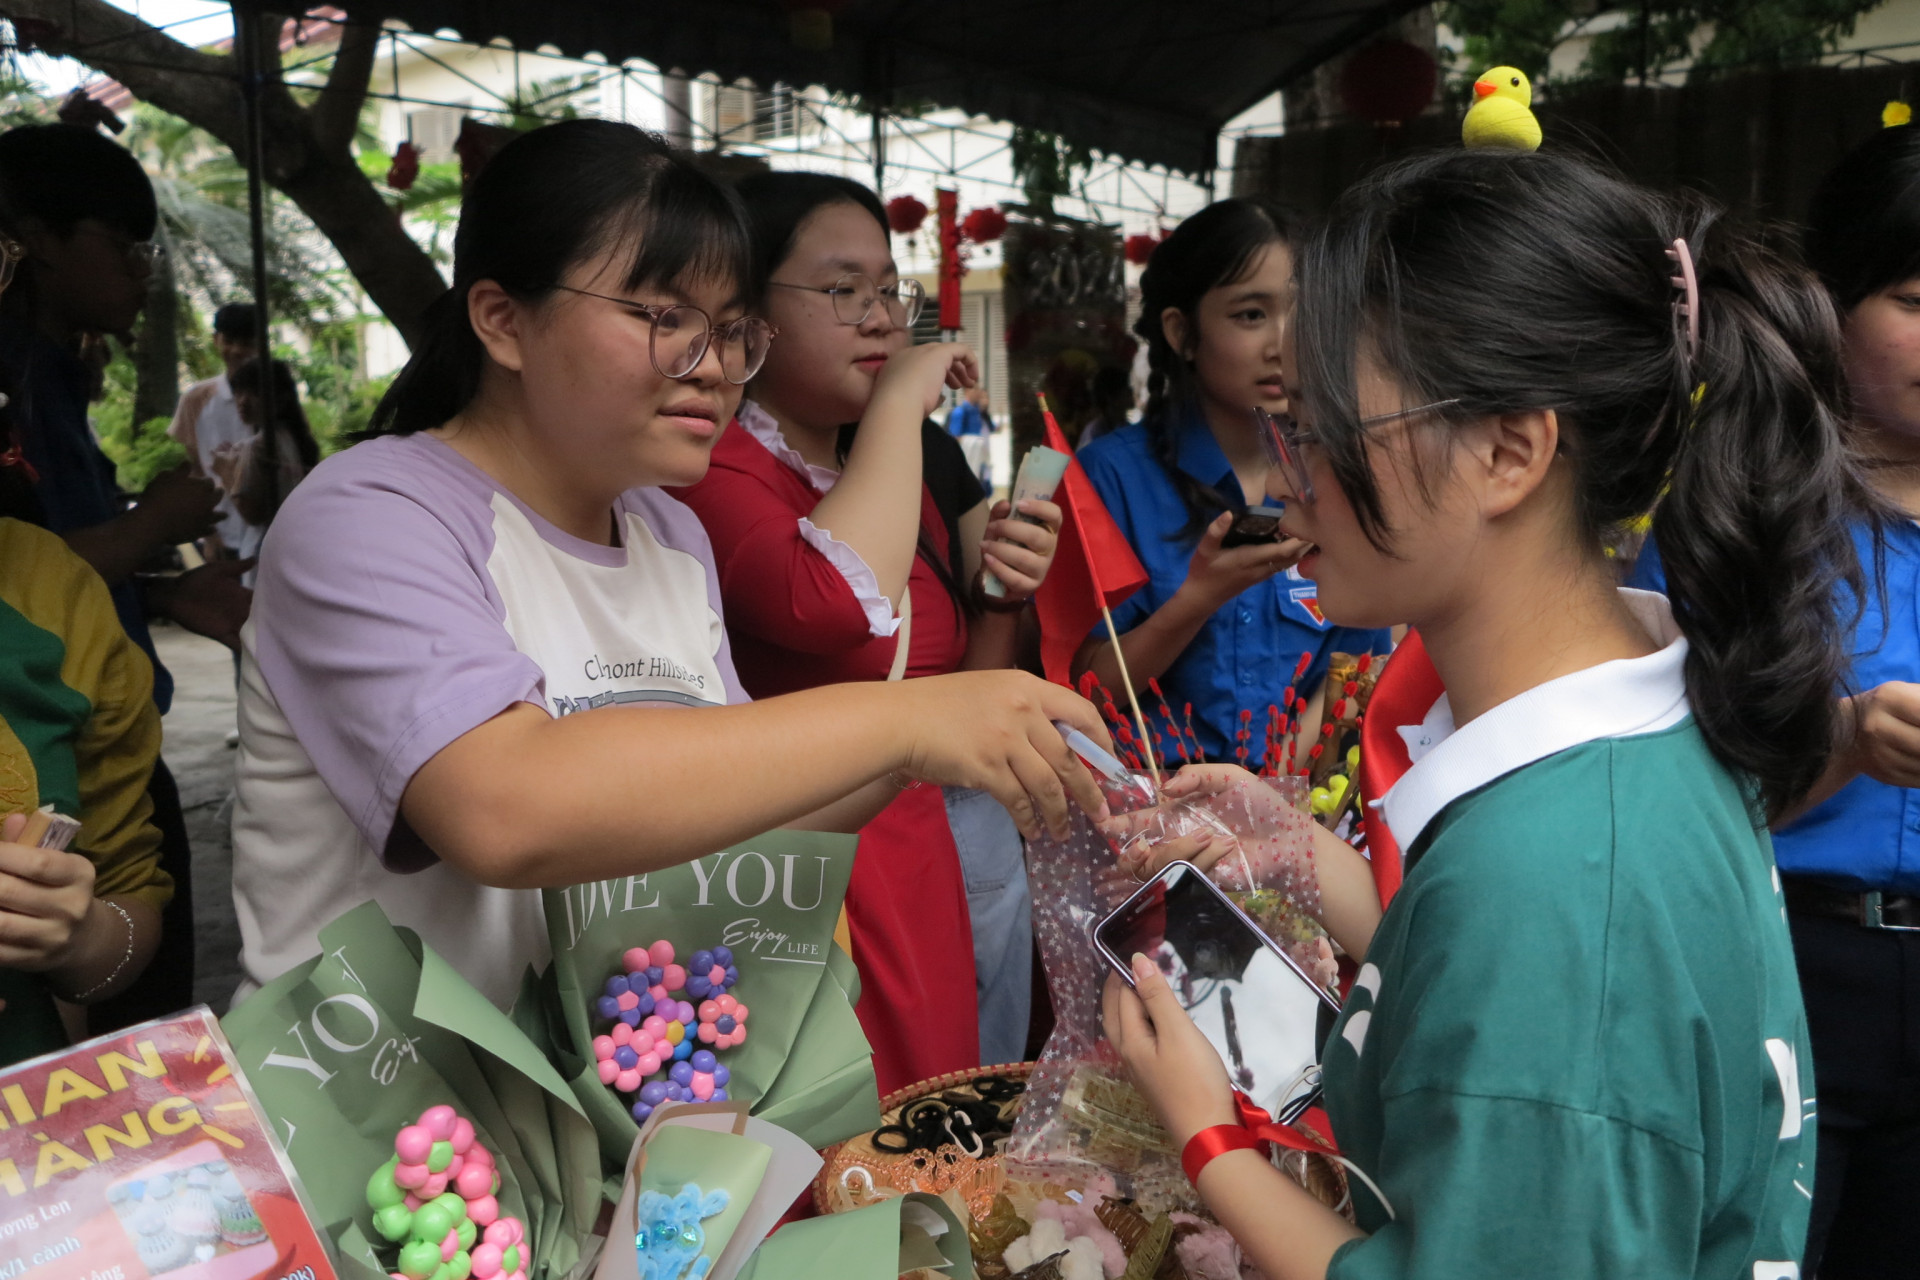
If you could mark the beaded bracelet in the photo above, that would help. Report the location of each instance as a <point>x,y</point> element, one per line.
<point>104,983</point>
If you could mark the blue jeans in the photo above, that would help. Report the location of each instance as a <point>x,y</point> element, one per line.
<point>994,865</point>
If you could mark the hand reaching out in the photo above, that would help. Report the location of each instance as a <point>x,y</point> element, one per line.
<point>994,730</point>
<point>1229,823</point>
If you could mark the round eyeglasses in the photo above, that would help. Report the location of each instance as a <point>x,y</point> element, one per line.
<point>855,295</point>
<point>679,335</point>
<point>1281,439</point>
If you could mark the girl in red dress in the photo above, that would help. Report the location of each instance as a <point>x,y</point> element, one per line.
<point>852,538</point>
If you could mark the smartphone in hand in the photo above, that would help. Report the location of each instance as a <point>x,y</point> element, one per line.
<point>1257,1008</point>
<point>1255,524</point>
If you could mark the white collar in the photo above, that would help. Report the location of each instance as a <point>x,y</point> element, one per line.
<point>1617,699</point>
<point>761,426</point>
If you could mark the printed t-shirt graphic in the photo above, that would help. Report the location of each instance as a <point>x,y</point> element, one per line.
<point>404,599</point>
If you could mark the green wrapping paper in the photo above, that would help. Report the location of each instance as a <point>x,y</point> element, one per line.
<point>805,1064</point>
<point>879,1242</point>
<point>349,1047</point>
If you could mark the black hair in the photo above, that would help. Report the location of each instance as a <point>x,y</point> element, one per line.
<point>1217,246</point>
<point>288,415</point>
<point>62,174</point>
<point>238,320</point>
<point>777,204</point>
<point>548,200</point>
<point>1510,282</point>
<point>1863,227</point>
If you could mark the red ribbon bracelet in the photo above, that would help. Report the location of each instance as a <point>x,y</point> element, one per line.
<point>1253,1132</point>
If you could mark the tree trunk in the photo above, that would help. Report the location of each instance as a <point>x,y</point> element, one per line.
<point>156,355</point>
<point>308,153</point>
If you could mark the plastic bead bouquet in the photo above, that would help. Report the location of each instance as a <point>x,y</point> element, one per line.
<point>715,980</point>
<point>432,1135</point>
<point>435,1200</point>
<point>652,1048</point>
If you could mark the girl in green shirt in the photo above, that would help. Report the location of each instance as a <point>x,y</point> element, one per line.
<point>1575,1045</point>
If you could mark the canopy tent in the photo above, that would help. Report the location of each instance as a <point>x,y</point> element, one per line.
<point>1149,80</point>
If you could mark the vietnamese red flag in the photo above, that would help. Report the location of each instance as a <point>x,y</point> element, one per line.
<point>1092,565</point>
<point>1406,690</point>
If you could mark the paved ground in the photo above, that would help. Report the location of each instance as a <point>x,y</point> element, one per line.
<point>195,748</point>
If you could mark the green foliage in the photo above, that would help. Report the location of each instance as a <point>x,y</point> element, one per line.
<point>202,192</point>
<point>338,400</point>
<point>1513,33</point>
<point>139,452</point>
<point>1707,35</point>
<point>21,101</point>
<point>431,205</point>
<point>545,101</point>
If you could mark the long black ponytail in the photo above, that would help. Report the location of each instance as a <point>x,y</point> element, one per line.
<point>1506,282</point>
<point>1217,246</point>
<point>552,198</point>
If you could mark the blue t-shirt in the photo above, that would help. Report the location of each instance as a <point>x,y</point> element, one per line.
<point>1866,835</point>
<point>77,487</point>
<point>1243,658</point>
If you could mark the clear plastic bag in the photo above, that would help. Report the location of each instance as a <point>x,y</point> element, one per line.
<point>1263,843</point>
<point>1081,1119</point>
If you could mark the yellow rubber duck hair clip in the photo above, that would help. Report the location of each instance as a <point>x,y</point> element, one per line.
<point>1895,114</point>
<point>1500,115</point>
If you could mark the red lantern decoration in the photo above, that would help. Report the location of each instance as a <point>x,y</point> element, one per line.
<point>984,226</point>
<point>1140,248</point>
<point>1388,83</point>
<point>905,214</point>
<point>952,259</point>
<point>405,168</point>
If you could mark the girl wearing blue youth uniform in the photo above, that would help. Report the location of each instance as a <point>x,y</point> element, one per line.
<point>1222,627</point>
<point>1850,854</point>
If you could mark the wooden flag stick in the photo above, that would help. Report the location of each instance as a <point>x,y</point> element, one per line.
<point>1113,635</point>
<point>1133,699</point>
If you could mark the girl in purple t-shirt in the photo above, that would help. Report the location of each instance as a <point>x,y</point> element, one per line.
<point>439,607</point>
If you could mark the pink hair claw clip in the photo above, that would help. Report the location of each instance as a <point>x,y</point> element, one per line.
<point>1688,304</point>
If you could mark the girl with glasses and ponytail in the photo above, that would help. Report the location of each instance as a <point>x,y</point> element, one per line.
<point>852,539</point>
<point>487,654</point>
<point>1575,1044</point>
